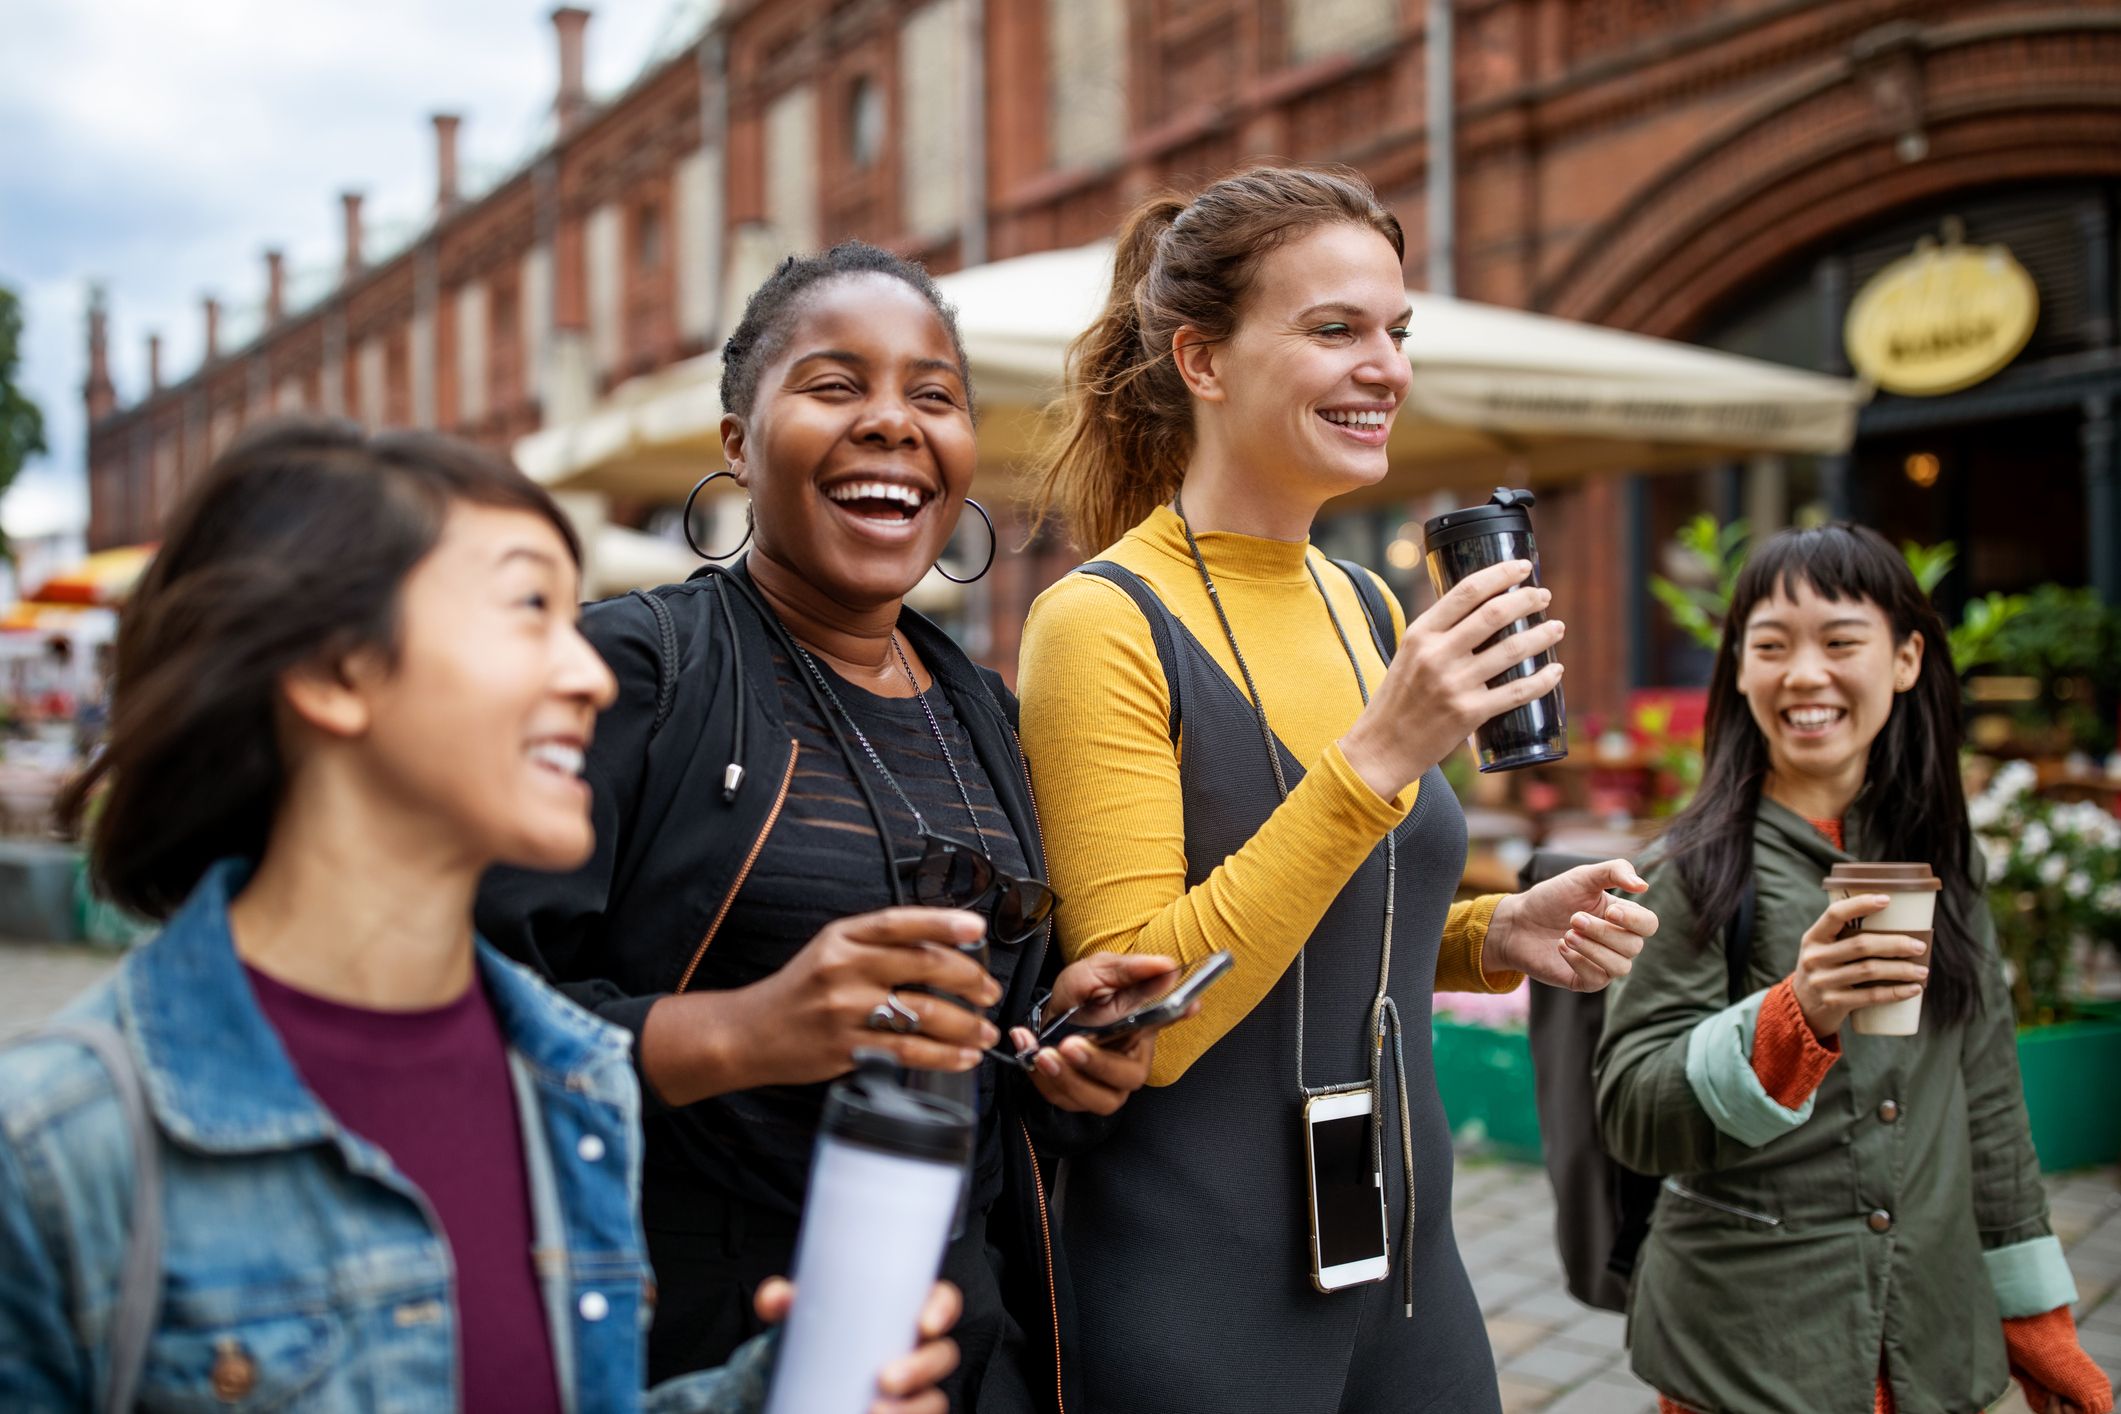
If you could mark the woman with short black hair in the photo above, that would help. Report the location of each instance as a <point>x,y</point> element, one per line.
<point>371,1160</point>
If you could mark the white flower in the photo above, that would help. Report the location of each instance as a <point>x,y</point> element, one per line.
<point>2014,778</point>
<point>2052,869</point>
<point>2035,840</point>
<point>2078,885</point>
<point>1998,855</point>
<point>2109,899</point>
<point>1983,811</point>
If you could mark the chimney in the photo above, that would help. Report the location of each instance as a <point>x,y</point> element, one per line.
<point>275,287</point>
<point>213,328</point>
<point>446,162</point>
<point>154,364</point>
<point>101,397</point>
<point>572,100</point>
<point>352,200</point>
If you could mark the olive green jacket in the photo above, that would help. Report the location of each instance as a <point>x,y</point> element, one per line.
<point>1898,1214</point>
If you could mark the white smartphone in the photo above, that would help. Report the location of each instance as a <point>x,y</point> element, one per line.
<point>1348,1244</point>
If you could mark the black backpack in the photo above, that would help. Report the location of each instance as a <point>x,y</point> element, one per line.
<point>1601,1208</point>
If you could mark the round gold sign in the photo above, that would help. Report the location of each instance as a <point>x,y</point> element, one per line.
<point>1941,319</point>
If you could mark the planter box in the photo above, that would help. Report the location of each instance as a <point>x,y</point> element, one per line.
<point>1485,1078</point>
<point>2071,1072</point>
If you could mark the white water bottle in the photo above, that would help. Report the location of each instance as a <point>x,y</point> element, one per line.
<point>885,1179</point>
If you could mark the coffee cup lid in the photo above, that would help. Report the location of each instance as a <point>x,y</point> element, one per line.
<point>871,1108</point>
<point>1864,877</point>
<point>1507,509</point>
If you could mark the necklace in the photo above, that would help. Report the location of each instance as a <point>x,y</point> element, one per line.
<point>1384,1012</point>
<point>935,729</point>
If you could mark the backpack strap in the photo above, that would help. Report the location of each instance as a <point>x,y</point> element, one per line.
<point>1159,618</point>
<point>666,658</point>
<point>1738,943</point>
<point>1374,607</point>
<point>139,1304</point>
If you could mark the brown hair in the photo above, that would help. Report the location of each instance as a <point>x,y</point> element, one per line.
<point>291,550</point>
<point>1126,416</point>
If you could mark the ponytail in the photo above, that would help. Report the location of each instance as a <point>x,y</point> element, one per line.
<point>1124,423</point>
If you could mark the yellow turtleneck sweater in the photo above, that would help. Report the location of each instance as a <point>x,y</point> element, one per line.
<point>1096,726</point>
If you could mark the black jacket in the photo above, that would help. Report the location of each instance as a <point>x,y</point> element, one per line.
<point>687,770</point>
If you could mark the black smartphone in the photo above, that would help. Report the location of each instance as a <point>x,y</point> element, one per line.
<point>1157,1001</point>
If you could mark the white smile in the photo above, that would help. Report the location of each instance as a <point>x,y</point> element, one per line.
<point>879,498</point>
<point>558,756</point>
<point>1813,720</point>
<point>1376,418</point>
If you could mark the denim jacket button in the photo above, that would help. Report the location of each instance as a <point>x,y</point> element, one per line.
<point>590,1148</point>
<point>593,1306</point>
<point>234,1374</point>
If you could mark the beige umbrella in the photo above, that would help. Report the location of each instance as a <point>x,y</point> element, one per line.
<point>1497,395</point>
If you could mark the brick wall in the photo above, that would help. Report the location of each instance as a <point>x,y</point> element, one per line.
<point>1642,163</point>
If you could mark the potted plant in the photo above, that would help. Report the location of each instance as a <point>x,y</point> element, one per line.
<point>2054,883</point>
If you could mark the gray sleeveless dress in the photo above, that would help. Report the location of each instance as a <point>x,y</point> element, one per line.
<point>1187,1231</point>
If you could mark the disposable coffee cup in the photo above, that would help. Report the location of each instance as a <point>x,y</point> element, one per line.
<point>1459,543</point>
<point>885,1178</point>
<point>1912,893</point>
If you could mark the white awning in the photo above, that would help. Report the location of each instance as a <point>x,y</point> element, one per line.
<point>1498,394</point>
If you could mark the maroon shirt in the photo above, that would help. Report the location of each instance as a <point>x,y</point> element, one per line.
<point>431,1090</point>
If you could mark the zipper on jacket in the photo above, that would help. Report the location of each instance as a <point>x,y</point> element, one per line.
<point>1038,826</point>
<point>780,799</point>
<point>1038,1180</point>
<point>1045,1232</point>
<point>1767,1219</point>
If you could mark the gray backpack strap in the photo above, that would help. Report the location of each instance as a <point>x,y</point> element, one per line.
<point>1159,619</point>
<point>1374,607</point>
<point>139,1305</point>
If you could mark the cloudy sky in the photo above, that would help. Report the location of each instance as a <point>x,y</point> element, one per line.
<point>159,148</point>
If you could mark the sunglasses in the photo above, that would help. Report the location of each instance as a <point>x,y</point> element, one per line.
<point>953,874</point>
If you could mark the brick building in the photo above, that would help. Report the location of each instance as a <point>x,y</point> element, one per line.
<point>1723,171</point>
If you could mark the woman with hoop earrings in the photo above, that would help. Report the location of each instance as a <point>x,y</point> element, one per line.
<point>814,826</point>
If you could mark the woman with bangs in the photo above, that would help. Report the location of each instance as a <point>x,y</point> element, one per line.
<point>1850,1221</point>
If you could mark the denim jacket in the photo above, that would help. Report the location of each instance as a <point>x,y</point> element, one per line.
<point>301,1270</point>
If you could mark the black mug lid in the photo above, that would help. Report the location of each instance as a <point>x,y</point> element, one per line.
<point>1507,509</point>
<point>871,1108</point>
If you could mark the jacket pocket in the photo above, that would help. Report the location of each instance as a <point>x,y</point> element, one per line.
<point>1752,1215</point>
<point>256,1365</point>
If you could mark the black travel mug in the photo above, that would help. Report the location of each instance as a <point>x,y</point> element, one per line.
<point>1458,543</point>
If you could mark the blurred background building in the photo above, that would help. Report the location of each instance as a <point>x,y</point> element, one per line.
<point>1731,174</point>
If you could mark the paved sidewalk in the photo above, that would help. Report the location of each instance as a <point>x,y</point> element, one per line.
<point>1559,1357</point>
<point>36,979</point>
<point>1553,1355</point>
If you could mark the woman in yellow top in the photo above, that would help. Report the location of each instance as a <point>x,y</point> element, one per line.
<point>1225,761</point>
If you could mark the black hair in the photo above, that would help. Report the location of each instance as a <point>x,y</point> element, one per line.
<point>769,314</point>
<point>1915,755</point>
<point>291,550</point>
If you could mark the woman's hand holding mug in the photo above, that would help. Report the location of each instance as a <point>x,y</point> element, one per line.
<point>1436,691</point>
<point>1835,973</point>
<point>908,1384</point>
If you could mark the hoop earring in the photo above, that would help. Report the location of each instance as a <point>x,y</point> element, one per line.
<point>993,544</point>
<point>687,521</point>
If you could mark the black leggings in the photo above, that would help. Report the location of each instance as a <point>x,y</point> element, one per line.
<point>712,1253</point>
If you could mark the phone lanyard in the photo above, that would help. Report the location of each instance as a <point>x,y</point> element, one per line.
<point>1384,1012</point>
